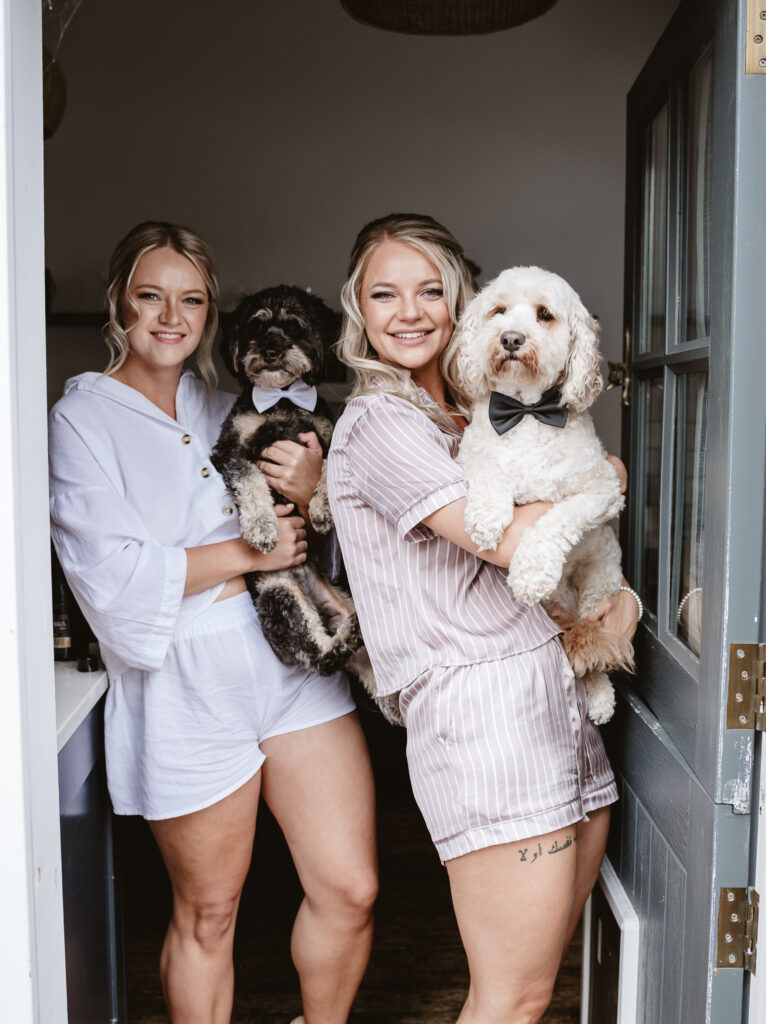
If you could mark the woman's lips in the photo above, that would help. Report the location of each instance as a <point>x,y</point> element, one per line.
<point>410,337</point>
<point>168,337</point>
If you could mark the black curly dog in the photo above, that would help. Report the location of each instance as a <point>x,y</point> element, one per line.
<point>272,339</point>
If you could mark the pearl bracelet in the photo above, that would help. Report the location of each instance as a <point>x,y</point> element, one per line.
<point>637,599</point>
<point>684,599</point>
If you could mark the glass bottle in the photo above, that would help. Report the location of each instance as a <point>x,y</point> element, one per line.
<point>62,629</point>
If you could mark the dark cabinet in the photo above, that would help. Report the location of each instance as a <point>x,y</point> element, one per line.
<point>91,921</point>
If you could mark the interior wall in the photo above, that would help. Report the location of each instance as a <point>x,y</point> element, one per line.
<point>276,129</point>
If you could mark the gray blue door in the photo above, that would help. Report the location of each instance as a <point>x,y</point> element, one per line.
<point>695,444</point>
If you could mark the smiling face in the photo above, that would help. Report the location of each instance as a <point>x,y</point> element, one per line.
<point>164,313</point>
<point>526,332</point>
<point>406,318</point>
<point>278,335</point>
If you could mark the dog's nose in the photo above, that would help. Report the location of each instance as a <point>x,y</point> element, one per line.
<point>512,340</point>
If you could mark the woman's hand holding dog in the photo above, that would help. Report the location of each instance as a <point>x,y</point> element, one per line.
<point>291,547</point>
<point>294,469</point>
<point>618,614</point>
<point>210,564</point>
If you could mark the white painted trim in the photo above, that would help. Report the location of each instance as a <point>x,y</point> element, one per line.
<point>627,920</point>
<point>757,1013</point>
<point>32,966</point>
<point>587,924</point>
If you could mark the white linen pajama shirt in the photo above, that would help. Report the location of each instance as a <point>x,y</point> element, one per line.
<point>194,686</point>
<point>499,744</point>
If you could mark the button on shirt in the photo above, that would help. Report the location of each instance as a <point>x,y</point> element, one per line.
<point>131,488</point>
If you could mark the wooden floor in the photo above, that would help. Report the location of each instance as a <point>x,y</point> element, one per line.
<point>417,973</point>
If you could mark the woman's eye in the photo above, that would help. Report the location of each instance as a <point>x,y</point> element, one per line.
<point>147,295</point>
<point>194,300</point>
<point>498,311</point>
<point>382,295</point>
<point>434,293</point>
<point>543,313</point>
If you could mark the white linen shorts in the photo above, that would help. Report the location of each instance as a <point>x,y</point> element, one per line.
<point>503,750</point>
<point>184,737</point>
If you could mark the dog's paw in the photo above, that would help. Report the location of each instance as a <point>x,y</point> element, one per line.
<point>320,514</point>
<point>389,708</point>
<point>530,581</point>
<point>261,532</point>
<point>601,698</point>
<point>485,538</point>
<point>485,531</point>
<point>590,648</point>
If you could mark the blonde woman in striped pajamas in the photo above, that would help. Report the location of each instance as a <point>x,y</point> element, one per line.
<point>511,776</point>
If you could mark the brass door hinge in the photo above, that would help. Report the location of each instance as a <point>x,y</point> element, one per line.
<point>737,929</point>
<point>746,706</point>
<point>755,45</point>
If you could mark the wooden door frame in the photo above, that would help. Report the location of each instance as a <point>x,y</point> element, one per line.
<point>32,978</point>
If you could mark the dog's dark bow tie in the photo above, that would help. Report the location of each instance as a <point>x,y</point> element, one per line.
<point>505,412</point>
<point>299,392</point>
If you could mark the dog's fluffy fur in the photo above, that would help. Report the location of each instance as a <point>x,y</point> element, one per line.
<point>525,332</point>
<point>272,338</point>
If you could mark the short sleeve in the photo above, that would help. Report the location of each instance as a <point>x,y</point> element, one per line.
<point>128,586</point>
<point>401,465</point>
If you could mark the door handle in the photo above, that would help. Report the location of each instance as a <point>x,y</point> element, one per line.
<point>619,373</point>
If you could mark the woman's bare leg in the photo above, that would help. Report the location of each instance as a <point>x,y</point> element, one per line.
<point>207,855</point>
<point>591,845</point>
<point>318,783</point>
<point>513,903</point>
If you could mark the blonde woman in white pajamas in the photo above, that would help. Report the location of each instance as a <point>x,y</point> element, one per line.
<point>509,773</point>
<point>201,718</point>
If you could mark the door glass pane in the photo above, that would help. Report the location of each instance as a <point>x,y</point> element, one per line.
<point>654,232</point>
<point>699,124</point>
<point>688,509</point>
<point>650,459</point>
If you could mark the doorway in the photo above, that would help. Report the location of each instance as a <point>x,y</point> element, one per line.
<point>276,130</point>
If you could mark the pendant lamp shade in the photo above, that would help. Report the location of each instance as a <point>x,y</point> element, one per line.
<point>445,17</point>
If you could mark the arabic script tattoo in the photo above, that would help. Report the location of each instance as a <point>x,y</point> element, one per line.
<point>529,854</point>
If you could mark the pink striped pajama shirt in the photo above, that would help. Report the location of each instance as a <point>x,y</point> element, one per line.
<point>499,745</point>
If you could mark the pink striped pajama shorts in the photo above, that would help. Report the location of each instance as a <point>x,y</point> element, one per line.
<point>503,750</point>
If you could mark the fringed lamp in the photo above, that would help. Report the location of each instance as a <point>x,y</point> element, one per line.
<point>445,17</point>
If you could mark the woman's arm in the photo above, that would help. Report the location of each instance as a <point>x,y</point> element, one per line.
<point>618,613</point>
<point>211,564</point>
<point>622,473</point>
<point>448,523</point>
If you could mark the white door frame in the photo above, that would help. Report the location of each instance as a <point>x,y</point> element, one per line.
<point>32,966</point>
<point>758,981</point>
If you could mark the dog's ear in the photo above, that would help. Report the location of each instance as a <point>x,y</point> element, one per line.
<point>582,376</point>
<point>325,329</point>
<point>466,364</point>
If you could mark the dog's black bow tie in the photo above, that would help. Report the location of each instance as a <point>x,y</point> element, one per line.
<point>506,412</point>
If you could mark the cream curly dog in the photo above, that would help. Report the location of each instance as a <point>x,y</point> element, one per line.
<point>529,358</point>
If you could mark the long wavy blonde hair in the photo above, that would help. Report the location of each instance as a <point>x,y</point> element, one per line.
<point>142,239</point>
<point>458,275</point>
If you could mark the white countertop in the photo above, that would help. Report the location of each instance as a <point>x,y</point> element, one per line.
<point>77,693</point>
